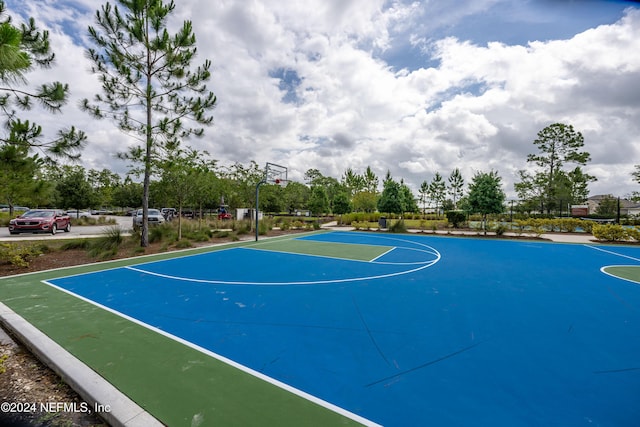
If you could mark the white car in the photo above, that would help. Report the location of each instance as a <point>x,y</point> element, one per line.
<point>154,217</point>
<point>79,214</point>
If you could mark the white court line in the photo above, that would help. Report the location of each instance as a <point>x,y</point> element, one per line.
<point>612,253</point>
<point>229,362</point>
<point>381,255</point>
<point>602,270</point>
<point>422,266</point>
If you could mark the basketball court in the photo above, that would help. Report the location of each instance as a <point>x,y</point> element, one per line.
<point>355,328</point>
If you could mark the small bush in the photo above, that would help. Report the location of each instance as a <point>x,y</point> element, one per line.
<point>75,244</point>
<point>18,255</point>
<point>500,229</point>
<point>108,244</point>
<point>610,232</point>
<point>184,244</point>
<point>398,227</point>
<point>3,359</point>
<point>456,218</point>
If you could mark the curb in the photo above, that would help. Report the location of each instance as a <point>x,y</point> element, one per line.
<point>113,406</point>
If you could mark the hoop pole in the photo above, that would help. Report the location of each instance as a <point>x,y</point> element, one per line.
<point>258,204</point>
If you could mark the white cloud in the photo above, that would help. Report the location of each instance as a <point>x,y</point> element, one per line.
<point>477,107</point>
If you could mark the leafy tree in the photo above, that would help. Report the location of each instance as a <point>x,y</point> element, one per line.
<point>365,201</point>
<point>319,200</point>
<point>272,198</point>
<point>149,88</point>
<point>74,190</point>
<point>636,174</point>
<point>438,191</point>
<point>456,186</point>
<point>410,204</point>
<point>17,174</point>
<point>240,186</point>
<point>22,49</point>
<point>178,179</point>
<point>296,196</point>
<point>341,203</point>
<point>129,194</point>
<point>557,144</point>
<point>370,181</point>
<point>607,206</point>
<point>353,182</point>
<point>486,195</point>
<point>103,183</point>
<point>392,198</point>
<point>424,195</point>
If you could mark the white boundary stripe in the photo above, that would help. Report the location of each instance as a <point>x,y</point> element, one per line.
<point>618,277</point>
<point>372,261</point>
<point>429,250</point>
<point>228,361</point>
<point>381,255</point>
<point>612,253</point>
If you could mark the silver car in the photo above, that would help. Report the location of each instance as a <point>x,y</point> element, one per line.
<point>154,216</point>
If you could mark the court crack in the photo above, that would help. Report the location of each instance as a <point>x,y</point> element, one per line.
<point>424,365</point>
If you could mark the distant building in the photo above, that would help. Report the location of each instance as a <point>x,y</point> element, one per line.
<point>627,207</point>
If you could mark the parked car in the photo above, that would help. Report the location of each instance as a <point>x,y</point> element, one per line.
<point>169,213</point>
<point>40,221</point>
<point>154,217</point>
<point>79,214</point>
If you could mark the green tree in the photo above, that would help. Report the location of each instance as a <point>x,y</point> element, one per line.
<point>128,194</point>
<point>636,174</point>
<point>22,49</point>
<point>370,181</point>
<point>103,183</point>
<point>607,206</point>
<point>341,203</point>
<point>296,196</point>
<point>353,182</point>
<point>319,200</point>
<point>392,198</point>
<point>74,190</point>
<point>438,191</point>
<point>486,195</point>
<point>149,87</point>
<point>17,174</point>
<point>178,179</point>
<point>408,198</point>
<point>424,195</point>
<point>557,144</point>
<point>456,186</point>
<point>365,201</point>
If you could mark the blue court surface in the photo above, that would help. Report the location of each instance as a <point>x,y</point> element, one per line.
<point>407,330</point>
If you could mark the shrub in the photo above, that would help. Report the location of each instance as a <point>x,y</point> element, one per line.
<point>610,232</point>
<point>18,255</point>
<point>398,227</point>
<point>634,233</point>
<point>500,229</point>
<point>183,244</point>
<point>3,359</point>
<point>108,244</point>
<point>456,218</point>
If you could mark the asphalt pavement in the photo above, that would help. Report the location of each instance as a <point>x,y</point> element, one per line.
<point>124,222</point>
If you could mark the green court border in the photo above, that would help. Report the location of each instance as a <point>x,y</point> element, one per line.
<point>175,383</point>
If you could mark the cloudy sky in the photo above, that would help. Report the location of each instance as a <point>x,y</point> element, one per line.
<point>413,87</point>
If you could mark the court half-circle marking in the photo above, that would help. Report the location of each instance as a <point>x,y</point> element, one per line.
<point>422,265</point>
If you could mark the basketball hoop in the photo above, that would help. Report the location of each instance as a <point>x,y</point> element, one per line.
<point>276,174</point>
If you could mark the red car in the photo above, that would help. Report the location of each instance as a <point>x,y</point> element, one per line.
<point>40,221</point>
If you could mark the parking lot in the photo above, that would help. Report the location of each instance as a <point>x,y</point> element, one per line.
<point>124,222</point>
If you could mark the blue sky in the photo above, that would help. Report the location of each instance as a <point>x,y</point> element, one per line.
<point>413,87</point>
